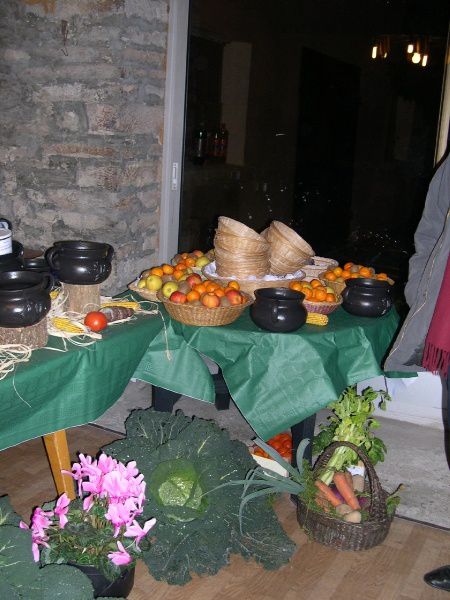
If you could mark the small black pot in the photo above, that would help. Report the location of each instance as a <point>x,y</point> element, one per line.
<point>278,309</point>
<point>79,262</point>
<point>24,298</point>
<point>38,265</point>
<point>119,588</point>
<point>365,297</point>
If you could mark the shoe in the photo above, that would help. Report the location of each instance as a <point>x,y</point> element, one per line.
<point>439,578</point>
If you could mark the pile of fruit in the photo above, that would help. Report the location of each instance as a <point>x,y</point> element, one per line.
<point>196,292</point>
<point>282,442</point>
<point>352,271</point>
<point>183,266</point>
<point>314,290</point>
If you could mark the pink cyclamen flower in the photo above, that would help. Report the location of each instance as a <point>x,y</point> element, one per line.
<point>40,520</point>
<point>61,509</point>
<point>120,558</point>
<point>138,532</point>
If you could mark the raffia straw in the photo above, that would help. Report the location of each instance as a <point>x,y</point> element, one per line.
<point>11,355</point>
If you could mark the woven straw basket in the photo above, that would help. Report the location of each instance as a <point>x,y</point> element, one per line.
<point>337,533</point>
<point>337,286</point>
<point>232,227</point>
<point>326,263</point>
<point>323,308</point>
<point>144,292</point>
<point>280,230</point>
<point>250,285</point>
<point>201,316</point>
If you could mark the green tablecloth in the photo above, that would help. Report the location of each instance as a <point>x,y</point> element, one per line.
<point>56,390</point>
<point>276,380</point>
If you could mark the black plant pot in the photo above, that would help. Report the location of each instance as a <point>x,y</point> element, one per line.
<point>119,588</point>
<point>79,262</point>
<point>24,298</point>
<point>364,297</point>
<point>278,309</point>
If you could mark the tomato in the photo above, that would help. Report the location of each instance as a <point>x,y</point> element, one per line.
<point>95,320</point>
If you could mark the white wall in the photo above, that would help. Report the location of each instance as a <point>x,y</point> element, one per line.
<point>421,400</point>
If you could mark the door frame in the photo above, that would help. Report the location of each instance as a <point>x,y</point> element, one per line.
<point>174,118</point>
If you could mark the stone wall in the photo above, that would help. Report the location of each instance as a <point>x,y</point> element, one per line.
<point>81,124</point>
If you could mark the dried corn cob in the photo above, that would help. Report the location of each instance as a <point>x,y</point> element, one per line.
<point>316,319</point>
<point>124,304</point>
<point>65,324</point>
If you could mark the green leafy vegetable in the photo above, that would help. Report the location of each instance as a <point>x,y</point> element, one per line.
<point>186,462</point>
<point>352,421</point>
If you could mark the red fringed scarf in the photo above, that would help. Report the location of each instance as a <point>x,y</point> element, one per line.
<point>436,355</point>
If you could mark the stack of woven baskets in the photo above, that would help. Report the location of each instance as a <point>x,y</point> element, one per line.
<point>288,251</point>
<point>239,250</point>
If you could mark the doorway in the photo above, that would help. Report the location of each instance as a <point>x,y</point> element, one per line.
<point>281,75</point>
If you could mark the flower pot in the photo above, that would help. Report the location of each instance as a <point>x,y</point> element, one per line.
<point>79,262</point>
<point>119,588</point>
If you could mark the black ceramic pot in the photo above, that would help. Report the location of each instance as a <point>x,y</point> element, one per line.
<point>278,309</point>
<point>367,297</point>
<point>24,298</point>
<point>79,262</point>
<point>119,588</point>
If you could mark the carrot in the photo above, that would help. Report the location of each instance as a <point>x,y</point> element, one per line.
<point>345,490</point>
<point>327,493</point>
<point>322,502</point>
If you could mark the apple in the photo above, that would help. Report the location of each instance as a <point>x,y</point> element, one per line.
<point>178,297</point>
<point>234,297</point>
<point>202,261</point>
<point>329,290</point>
<point>169,288</point>
<point>145,273</point>
<point>193,279</point>
<point>141,284</point>
<point>153,283</point>
<point>184,287</point>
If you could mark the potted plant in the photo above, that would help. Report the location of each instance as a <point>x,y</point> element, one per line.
<point>100,532</point>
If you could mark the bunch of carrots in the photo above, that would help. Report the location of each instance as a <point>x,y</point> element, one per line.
<point>342,498</point>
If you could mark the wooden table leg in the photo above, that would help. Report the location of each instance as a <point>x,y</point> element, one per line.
<point>58,457</point>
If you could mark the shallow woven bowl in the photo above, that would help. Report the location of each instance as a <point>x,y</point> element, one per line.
<point>240,245</point>
<point>327,263</point>
<point>283,267</point>
<point>201,316</point>
<point>339,286</point>
<point>323,308</point>
<point>233,227</point>
<point>292,237</point>
<point>144,292</point>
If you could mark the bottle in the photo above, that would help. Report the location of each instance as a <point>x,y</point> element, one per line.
<point>215,144</point>
<point>200,145</point>
<point>223,142</point>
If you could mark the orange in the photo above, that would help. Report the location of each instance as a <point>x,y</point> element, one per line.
<point>190,262</point>
<point>330,276</point>
<point>197,253</point>
<point>382,276</point>
<point>200,288</point>
<point>330,298</point>
<point>315,282</point>
<point>192,296</point>
<point>167,269</point>
<point>319,295</point>
<point>346,274</point>
<point>307,292</point>
<point>211,286</point>
<point>348,266</point>
<point>177,274</point>
<point>354,275</point>
<point>157,271</point>
<point>337,271</point>
<point>219,292</point>
<point>184,255</point>
<point>365,272</point>
<point>234,285</point>
<point>296,285</point>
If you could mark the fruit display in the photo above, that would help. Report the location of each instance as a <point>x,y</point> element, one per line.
<point>352,271</point>
<point>282,442</point>
<point>315,291</point>
<point>195,292</point>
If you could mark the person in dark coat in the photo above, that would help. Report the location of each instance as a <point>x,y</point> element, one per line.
<point>423,343</point>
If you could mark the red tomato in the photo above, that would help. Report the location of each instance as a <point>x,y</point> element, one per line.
<point>95,320</point>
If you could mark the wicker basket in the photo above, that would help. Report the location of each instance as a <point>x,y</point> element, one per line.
<point>323,308</point>
<point>232,227</point>
<point>287,234</point>
<point>337,286</point>
<point>325,263</point>
<point>144,292</point>
<point>337,533</point>
<point>250,285</point>
<point>201,316</point>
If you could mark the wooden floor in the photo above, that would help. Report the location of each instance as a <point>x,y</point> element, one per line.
<point>392,571</point>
